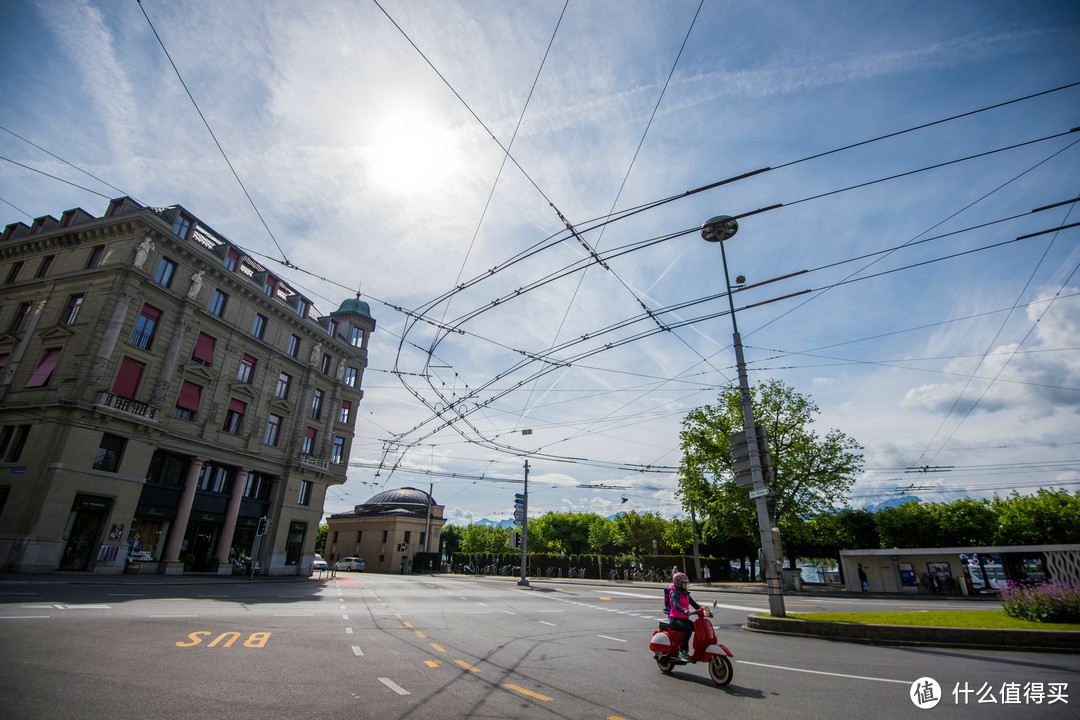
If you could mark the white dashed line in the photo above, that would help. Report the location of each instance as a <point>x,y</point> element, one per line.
<point>357,651</point>
<point>394,686</point>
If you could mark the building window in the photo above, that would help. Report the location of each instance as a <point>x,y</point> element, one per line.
<point>44,369</point>
<point>109,452</point>
<point>21,314</point>
<point>332,328</point>
<point>325,367</point>
<point>356,339</point>
<point>218,302</point>
<point>273,429</point>
<point>127,379</point>
<point>384,536</point>
<point>269,285</point>
<point>294,346</point>
<point>346,411</point>
<point>14,445</point>
<point>257,486</point>
<point>246,373</point>
<point>283,382</point>
<point>337,454</point>
<point>166,269</point>
<point>13,274</point>
<point>95,257</point>
<point>234,417</point>
<point>187,404</point>
<point>302,307</point>
<point>182,226</point>
<point>359,534</point>
<point>46,263</point>
<point>308,447</point>
<point>71,311</point>
<point>350,377</point>
<point>316,404</point>
<point>215,478</point>
<point>258,328</point>
<point>305,493</point>
<point>232,258</point>
<point>204,349</point>
<point>148,320</point>
<point>408,536</point>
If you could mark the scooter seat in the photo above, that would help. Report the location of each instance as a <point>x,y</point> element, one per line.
<point>665,625</point>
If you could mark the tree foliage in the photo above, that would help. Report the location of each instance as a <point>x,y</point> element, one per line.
<point>812,473</point>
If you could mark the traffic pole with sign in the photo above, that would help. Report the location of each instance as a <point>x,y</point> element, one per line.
<point>523,499</point>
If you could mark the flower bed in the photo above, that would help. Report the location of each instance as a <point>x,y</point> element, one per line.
<point>1049,601</point>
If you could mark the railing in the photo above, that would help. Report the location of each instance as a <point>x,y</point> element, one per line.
<point>127,405</point>
<point>312,461</point>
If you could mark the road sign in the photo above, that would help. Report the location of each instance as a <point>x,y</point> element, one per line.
<point>754,494</point>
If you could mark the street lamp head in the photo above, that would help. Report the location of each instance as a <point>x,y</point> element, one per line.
<point>719,228</point>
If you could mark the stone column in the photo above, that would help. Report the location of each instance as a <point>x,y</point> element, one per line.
<point>108,341</point>
<point>168,365</point>
<point>227,532</point>
<point>171,560</point>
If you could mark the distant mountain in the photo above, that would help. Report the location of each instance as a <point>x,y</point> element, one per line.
<point>893,502</point>
<point>509,522</point>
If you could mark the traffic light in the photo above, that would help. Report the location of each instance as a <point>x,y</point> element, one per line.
<point>260,528</point>
<point>515,540</point>
<point>401,547</point>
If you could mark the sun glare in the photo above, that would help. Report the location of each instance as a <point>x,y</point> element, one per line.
<point>413,151</point>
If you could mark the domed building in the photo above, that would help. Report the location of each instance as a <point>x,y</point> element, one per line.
<point>388,531</point>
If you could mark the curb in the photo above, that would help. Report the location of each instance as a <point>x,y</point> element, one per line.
<point>1052,641</point>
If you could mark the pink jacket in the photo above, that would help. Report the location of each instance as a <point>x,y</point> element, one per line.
<point>680,604</point>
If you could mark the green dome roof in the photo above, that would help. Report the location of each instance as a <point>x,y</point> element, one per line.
<point>355,306</point>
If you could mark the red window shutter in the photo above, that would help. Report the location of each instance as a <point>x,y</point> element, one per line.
<point>151,312</point>
<point>237,407</point>
<point>311,432</point>
<point>127,380</point>
<point>190,394</point>
<point>204,349</point>
<point>44,370</point>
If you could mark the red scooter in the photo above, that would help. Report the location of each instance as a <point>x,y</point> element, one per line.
<point>665,646</point>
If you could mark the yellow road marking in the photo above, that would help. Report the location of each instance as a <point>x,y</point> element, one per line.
<point>530,693</point>
<point>467,666</point>
<point>432,663</point>
<point>398,616</point>
<point>437,648</point>
<point>604,598</point>
<point>419,634</point>
<point>405,624</point>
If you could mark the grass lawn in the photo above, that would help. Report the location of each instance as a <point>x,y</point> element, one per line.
<point>996,619</point>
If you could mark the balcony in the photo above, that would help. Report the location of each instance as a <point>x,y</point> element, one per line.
<point>313,462</point>
<point>127,405</point>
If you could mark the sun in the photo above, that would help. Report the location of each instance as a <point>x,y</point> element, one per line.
<point>412,150</point>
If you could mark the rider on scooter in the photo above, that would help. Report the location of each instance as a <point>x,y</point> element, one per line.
<point>679,611</point>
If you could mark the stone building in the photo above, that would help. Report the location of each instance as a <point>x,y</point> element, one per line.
<point>161,392</point>
<point>387,531</point>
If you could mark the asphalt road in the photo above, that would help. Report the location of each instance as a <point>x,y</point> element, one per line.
<point>444,647</point>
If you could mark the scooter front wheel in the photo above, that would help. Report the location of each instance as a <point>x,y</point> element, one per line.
<point>720,669</point>
<point>664,663</point>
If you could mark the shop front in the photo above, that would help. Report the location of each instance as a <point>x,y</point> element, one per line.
<point>85,531</point>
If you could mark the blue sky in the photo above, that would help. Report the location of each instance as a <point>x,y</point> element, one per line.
<point>372,140</point>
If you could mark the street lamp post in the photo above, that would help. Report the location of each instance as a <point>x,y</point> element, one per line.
<point>717,230</point>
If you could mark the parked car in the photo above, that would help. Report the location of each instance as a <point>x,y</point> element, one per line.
<point>352,564</point>
<point>319,563</point>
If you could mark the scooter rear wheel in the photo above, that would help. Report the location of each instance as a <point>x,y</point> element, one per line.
<point>720,669</point>
<point>665,664</point>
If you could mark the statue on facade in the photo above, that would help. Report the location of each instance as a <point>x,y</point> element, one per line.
<point>142,252</point>
<point>316,354</point>
<point>196,285</point>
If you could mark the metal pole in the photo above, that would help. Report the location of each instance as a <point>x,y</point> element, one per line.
<point>772,575</point>
<point>525,527</point>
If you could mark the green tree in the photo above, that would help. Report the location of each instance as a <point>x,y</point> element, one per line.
<point>450,538</point>
<point>320,538</point>
<point>603,535</point>
<point>642,532</point>
<point>965,522</point>
<point>483,539</point>
<point>812,473</point>
<point>1048,517</point>
<point>678,535</point>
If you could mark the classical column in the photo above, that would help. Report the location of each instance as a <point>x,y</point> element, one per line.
<point>108,341</point>
<point>168,364</point>
<point>225,541</point>
<point>183,512</point>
